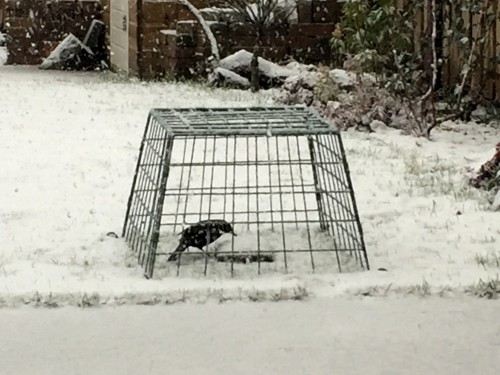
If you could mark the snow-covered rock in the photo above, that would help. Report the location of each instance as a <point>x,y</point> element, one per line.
<point>305,96</point>
<point>347,79</point>
<point>299,88</point>
<point>227,78</point>
<point>378,126</point>
<point>271,74</point>
<point>342,77</point>
<point>2,39</point>
<point>295,82</point>
<point>332,106</point>
<point>300,96</point>
<point>300,68</point>
<point>292,84</point>
<point>479,112</point>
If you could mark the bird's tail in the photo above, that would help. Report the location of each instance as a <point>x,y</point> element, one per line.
<point>175,255</point>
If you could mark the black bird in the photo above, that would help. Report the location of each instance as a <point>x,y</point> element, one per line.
<point>200,235</point>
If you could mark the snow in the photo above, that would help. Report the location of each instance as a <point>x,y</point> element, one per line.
<point>229,78</point>
<point>70,144</point>
<point>496,202</point>
<point>172,32</point>
<point>193,263</point>
<point>324,336</point>
<point>243,58</point>
<point>70,48</point>
<point>342,77</point>
<point>3,55</point>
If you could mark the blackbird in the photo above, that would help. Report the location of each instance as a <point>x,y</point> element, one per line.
<point>200,235</point>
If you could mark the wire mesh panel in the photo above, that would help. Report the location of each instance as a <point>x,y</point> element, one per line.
<point>278,176</point>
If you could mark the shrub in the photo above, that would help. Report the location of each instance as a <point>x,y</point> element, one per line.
<point>370,31</point>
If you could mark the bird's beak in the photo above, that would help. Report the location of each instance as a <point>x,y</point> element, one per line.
<point>234,234</point>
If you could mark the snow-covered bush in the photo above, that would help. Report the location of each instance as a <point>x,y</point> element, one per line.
<point>326,88</point>
<point>346,98</point>
<point>370,31</point>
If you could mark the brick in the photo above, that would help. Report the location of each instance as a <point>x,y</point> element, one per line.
<point>312,54</point>
<point>312,29</point>
<point>236,40</point>
<point>275,41</point>
<point>178,52</point>
<point>307,41</point>
<point>304,11</point>
<point>241,29</point>
<point>154,13</point>
<point>151,40</point>
<point>170,39</point>
<point>201,39</point>
<point>179,67</point>
<point>151,64</point>
<point>275,54</point>
<point>185,15</point>
<point>18,22</point>
<point>185,28</point>
<point>220,28</point>
<point>325,12</point>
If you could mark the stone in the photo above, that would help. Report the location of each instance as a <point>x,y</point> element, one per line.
<point>226,78</point>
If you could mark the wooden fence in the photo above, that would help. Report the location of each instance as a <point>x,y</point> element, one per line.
<point>485,76</point>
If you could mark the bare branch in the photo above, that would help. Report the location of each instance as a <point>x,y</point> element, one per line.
<point>208,32</point>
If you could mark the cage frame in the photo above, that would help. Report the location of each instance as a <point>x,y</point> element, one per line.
<point>256,122</point>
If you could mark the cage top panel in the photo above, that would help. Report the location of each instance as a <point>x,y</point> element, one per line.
<point>250,121</point>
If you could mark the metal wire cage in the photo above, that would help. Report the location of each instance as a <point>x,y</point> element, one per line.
<point>279,175</point>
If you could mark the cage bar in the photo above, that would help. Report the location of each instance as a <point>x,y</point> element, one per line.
<point>278,175</point>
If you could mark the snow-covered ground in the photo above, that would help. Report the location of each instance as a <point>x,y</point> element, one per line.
<point>69,146</point>
<point>392,336</point>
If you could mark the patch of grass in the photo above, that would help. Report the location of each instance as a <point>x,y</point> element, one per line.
<point>300,293</point>
<point>256,296</point>
<point>421,290</point>
<point>92,300</point>
<point>489,289</point>
<point>434,176</point>
<point>39,300</point>
<point>374,291</point>
<point>221,297</point>
<point>150,301</point>
<point>490,260</point>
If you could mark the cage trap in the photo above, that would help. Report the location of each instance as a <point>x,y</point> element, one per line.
<point>278,176</point>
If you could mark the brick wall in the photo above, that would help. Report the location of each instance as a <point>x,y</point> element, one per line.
<point>35,27</point>
<point>167,54</point>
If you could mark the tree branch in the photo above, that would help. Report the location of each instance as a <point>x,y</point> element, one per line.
<point>208,32</point>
